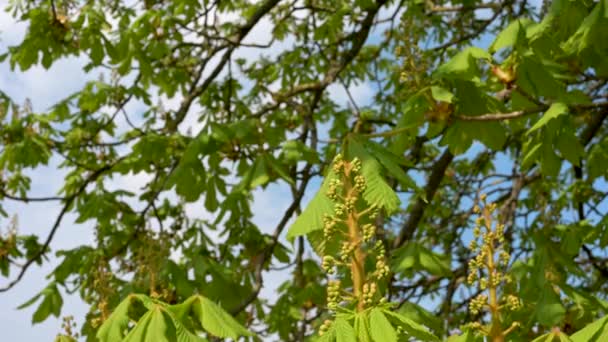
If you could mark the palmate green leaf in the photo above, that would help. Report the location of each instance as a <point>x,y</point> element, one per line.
<point>594,332</point>
<point>472,101</point>
<point>549,310</point>
<point>591,31</point>
<point>535,78</point>
<point>51,303</point>
<point>329,336</point>
<point>597,158</point>
<point>442,94</point>
<point>344,331</point>
<point>362,326</point>
<point>114,328</point>
<point>380,328</point>
<point>163,326</point>
<point>322,246</point>
<point>412,328</point>
<point>216,321</point>
<point>410,120</point>
<point>568,144</point>
<point>550,162</point>
<point>463,65</point>
<point>392,164</point>
<point>415,256</point>
<point>417,313</point>
<point>553,112</point>
<point>377,192</point>
<point>511,34</point>
<point>278,168</point>
<point>144,331</point>
<point>466,336</point>
<point>259,173</point>
<point>553,336</point>
<point>295,151</point>
<point>548,337</point>
<point>311,219</point>
<point>189,179</point>
<point>530,152</point>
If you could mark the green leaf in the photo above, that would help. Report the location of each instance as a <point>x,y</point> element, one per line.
<point>217,321</point>
<point>113,329</point>
<point>51,303</point>
<point>380,328</point>
<point>590,31</point>
<point>330,335</point>
<point>442,94</point>
<point>344,331</point>
<point>417,313</point>
<point>279,169</point>
<point>594,332</point>
<point>295,151</point>
<point>377,192</point>
<point>510,35</point>
<point>411,328</point>
<point>569,146</point>
<point>549,309</point>
<point>548,337</point>
<point>533,77</point>
<point>140,331</point>
<point>463,65</point>
<point>415,256</point>
<point>553,112</point>
<point>362,327</point>
<point>392,163</point>
<point>550,162</point>
<point>259,175</point>
<point>311,219</point>
<point>466,336</point>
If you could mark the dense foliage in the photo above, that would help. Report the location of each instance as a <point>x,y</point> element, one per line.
<point>462,182</point>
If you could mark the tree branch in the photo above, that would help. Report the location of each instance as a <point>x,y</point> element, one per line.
<point>417,211</point>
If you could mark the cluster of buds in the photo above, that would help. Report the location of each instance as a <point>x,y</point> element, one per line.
<point>487,267</point>
<point>325,326</point>
<point>369,231</point>
<point>328,264</point>
<point>349,204</point>
<point>382,269</point>
<point>69,326</point>
<point>340,209</point>
<point>329,226</point>
<point>333,190</point>
<point>338,164</point>
<point>346,250</point>
<point>360,183</point>
<point>351,226</point>
<point>356,165</point>
<point>513,302</point>
<point>478,303</point>
<point>369,290</point>
<point>492,237</point>
<point>333,294</point>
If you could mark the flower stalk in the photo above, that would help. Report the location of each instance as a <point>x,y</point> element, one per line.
<point>351,226</point>
<point>488,270</point>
